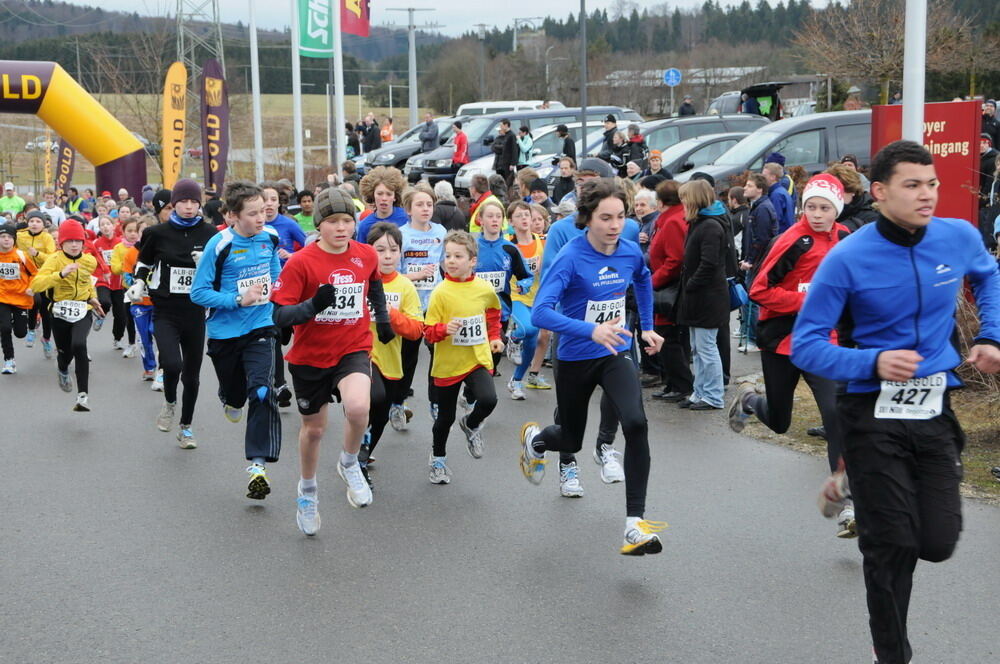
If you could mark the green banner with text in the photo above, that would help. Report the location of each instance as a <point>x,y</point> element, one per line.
<point>316,28</point>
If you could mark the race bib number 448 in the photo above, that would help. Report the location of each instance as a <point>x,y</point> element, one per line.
<point>914,399</point>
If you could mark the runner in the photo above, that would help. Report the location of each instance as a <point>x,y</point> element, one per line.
<point>38,243</point>
<point>382,188</point>
<point>16,296</point>
<point>114,292</point>
<point>898,279</point>
<point>167,259</point>
<point>329,357</point>
<point>406,316</point>
<point>523,335</point>
<point>463,321</point>
<point>779,288</point>
<point>233,282</point>
<point>123,260</point>
<point>583,299</point>
<point>540,220</point>
<point>68,273</point>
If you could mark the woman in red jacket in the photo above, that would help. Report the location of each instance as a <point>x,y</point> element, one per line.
<point>666,255</point>
<point>780,287</point>
<point>461,141</point>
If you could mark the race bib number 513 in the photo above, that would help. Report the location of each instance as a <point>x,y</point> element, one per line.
<point>914,399</point>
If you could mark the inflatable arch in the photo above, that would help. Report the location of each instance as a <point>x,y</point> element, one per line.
<point>46,90</point>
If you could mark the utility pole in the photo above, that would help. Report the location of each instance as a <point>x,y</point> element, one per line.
<point>258,130</point>
<point>518,22</point>
<point>481,33</point>
<point>412,32</point>
<point>297,100</point>
<point>194,46</point>
<point>914,67</point>
<point>583,69</point>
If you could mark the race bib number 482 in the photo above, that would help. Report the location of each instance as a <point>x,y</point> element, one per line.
<point>602,311</point>
<point>181,279</point>
<point>914,399</point>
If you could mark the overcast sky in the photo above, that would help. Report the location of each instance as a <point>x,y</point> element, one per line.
<point>455,16</point>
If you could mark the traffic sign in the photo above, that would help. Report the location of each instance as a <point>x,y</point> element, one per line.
<point>672,77</point>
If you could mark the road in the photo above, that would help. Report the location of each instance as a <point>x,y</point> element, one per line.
<point>119,547</point>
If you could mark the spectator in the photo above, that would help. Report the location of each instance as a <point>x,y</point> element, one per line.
<point>635,149</point>
<point>786,179</point>
<point>386,134</point>
<point>428,134</point>
<point>897,98</point>
<point>353,145</point>
<point>49,207</point>
<point>687,108</point>
<point>783,204</point>
<point>760,229</point>
<point>616,157</point>
<point>987,166</point>
<point>739,213</point>
<point>349,171</point>
<point>851,161</point>
<point>504,150</point>
<point>446,210</point>
<point>122,195</point>
<point>749,104</point>
<point>564,183</point>
<point>610,131</point>
<point>538,194</point>
<point>633,171</point>
<point>858,204</point>
<point>565,208</point>
<point>853,102</point>
<point>521,187</point>
<point>991,125</point>
<point>75,204</point>
<point>304,217</point>
<point>646,213</point>
<point>10,201</point>
<point>479,193</point>
<point>655,165</point>
<point>569,145</point>
<point>461,141</point>
<point>703,300</point>
<point>372,136</point>
<point>525,143</point>
<point>498,185</point>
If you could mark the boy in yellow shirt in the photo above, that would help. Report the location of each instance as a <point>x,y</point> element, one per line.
<point>38,244</point>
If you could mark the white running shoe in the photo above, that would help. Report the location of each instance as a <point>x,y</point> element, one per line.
<point>359,494</point>
<point>516,389</point>
<point>65,381</point>
<point>473,438</point>
<point>515,351</point>
<point>537,382</point>
<point>532,465</point>
<point>118,344</point>
<point>569,480</point>
<point>847,527</point>
<point>157,385</point>
<point>81,405</point>
<point>440,474</point>
<point>307,513</point>
<point>185,438</point>
<point>9,367</point>
<point>611,467</point>
<point>834,493</point>
<point>165,420</point>
<point>129,351</point>
<point>29,340</point>
<point>641,537</point>
<point>97,324</point>
<point>47,350</point>
<point>748,347</point>
<point>397,417</point>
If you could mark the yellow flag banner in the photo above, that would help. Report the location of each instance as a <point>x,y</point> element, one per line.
<point>174,118</point>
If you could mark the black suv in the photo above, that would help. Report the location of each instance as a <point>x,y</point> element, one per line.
<point>406,145</point>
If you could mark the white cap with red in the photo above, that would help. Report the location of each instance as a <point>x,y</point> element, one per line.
<point>8,186</point>
<point>825,186</point>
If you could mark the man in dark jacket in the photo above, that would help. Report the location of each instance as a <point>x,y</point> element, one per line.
<point>428,134</point>
<point>636,149</point>
<point>987,166</point>
<point>782,201</point>
<point>763,223</point>
<point>372,137</point>
<point>991,125</point>
<point>504,148</point>
<point>608,147</point>
<point>569,145</point>
<point>687,108</point>
<point>858,204</point>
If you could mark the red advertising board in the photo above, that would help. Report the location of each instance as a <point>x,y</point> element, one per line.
<point>951,134</point>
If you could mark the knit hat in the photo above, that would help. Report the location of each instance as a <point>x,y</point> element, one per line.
<point>8,229</point>
<point>539,185</point>
<point>330,202</point>
<point>71,230</point>
<point>185,189</point>
<point>655,153</point>
<point>775,158</point>
<point>652,181</point>
<point>611,118</point>
<point>986,137</point>
<point>849,158</point>
<point>160,200</point>
<point>147,195</point>
<point>699,175</point>
<point>213,212</point>
<point>37,213</point>
<point>825,186</point>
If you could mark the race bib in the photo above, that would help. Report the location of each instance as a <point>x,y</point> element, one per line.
<point>243,285</point>
<point>914,399</point>
<point>392,301</point>
<point>804,287</point>
<point>601,311</point>
<point>181,279</point>
<point>472,332</point>
<point>107,255</point>
<point>10,271</point>
<point>494,279</point>
<point>69,310</point>
<point>348,304</point>
<point>532,263</point>
<point>426,283</point>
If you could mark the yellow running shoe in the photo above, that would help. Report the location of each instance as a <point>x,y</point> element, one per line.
<point>641,537</point>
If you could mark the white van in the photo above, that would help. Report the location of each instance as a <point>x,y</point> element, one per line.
<point>490,107</point>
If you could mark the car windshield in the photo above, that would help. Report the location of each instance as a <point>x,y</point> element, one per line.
<point>747,149</point>
<point>476,128</point>
<point>677,150</point>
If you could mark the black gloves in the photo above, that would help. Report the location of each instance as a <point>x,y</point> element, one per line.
<point>385,333</point>
<point>323,297</point>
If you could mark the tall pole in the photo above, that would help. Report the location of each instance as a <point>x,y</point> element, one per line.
<point>258,131</point>
<point>331,147</point>
<point>412,30</point>
<point>481,30</point>
<point>338,83</point>
<point>583,70</point>
<point>914,66</point>
<point>297,99</point>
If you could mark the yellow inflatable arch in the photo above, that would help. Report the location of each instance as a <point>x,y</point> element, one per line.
<point>46,90</point>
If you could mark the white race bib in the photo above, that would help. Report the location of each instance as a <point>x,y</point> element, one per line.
<point>243,285</point>
<point>426,283</point>
<point>69,310</point>
<point>494,279</point>
<point>914,399</point>
<point>181,279</point>
<point>601,311</point>
<point>804,287</point>
<point>532,263</point>
<point>348,304</point>
<point>472,332</point>
<point>10,271</point>
<point>107,256</point>
<point>392,301</point>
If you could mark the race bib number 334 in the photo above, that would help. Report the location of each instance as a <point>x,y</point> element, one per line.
<point>914,399</point>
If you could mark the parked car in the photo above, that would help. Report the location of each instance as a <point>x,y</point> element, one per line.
<point>482,130</point>
<point>152,149</point>
<point>696,152</point>
<point>195,152</point>
<point>662,134</point>
<point>42,143</point>
<point>810,141</point>
<point>406,145</point>
<point>732,102</point>
<point>491,107</point>
<point>805,108</point>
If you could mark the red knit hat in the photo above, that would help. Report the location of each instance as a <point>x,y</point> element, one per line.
<point>71,230</point>
<point>825,186</point>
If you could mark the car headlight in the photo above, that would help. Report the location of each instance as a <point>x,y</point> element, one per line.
<point>439,163</point>
<point>415,162</point>
<point>387,157</point>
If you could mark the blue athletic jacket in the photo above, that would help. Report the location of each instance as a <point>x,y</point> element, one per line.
<point>898,291</point>
<point>501,256</point>
<point>564,230</point>
<point>290,234</point>
<point>590,287</point>
<point>243,259</point>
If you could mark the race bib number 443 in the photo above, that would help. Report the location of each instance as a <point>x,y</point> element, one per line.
<point>914,399</point>
<point>264,280</point>
<point>348,304</point>
<point>602,311</point>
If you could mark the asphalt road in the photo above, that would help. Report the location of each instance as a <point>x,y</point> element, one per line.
<point>117,546</point>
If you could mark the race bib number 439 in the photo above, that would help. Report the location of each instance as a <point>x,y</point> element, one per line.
<point>914,399</point>
<point>10,271</point>
<point>601,311</point>
<point>348,304</point>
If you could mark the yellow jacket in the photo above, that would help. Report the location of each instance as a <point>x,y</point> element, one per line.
<point>77,286</point>
<point>407,320</point>
<point>42,243</point>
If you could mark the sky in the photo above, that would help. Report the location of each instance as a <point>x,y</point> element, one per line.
<point>454,16</point>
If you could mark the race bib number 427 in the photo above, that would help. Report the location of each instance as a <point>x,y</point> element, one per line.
<point>914,399</point>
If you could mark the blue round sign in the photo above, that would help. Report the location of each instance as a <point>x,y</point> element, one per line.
<point>672,77</point>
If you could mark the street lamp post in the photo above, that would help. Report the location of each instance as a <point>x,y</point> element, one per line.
<point>914,66</point>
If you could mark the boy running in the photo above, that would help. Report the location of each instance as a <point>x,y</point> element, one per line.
<point>16,296</point>
<point>523,336</point>
<point>38,244</point>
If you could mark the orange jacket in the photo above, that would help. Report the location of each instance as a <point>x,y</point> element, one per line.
<point>16,271</point>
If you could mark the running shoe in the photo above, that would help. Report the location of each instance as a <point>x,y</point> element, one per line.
<point>397,417</point>
<point>65,382</point>
<point>847,527</point>
<point>440,474</point>
<point>81,405</point>
<point>307,514</point>
<point>473,438</point>
<point>157,385</point>
<point>29,340</point>
<point>259,486</point>
<point>47,349</point>
<point>9,367</point>
<point>749,347</point>
<point>232,413</point>
<point>515,351</point>
<point>516,389</point>
<point>738,413</point>
<point>834,493</point>
<point>611,468</point>
<point>129,351</point>
<point>147,376</point>
<point>817,432</point>
<point>569,480</point>
<point>641,537</point>
<point>284,396</point>
<point>98,323</point>
<point>118,344</point>
<point>537,382</point>
<point>365,453</point>
<point>368,478</point>
<point>359,494</point>
<point>650,380</point>
<point>434,411</point>
<point>532,465</point>
<point>165,420</point>
<point>185,438</point>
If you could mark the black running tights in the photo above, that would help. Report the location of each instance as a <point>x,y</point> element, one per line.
<point>180,342</point>
<point>71,346</point>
